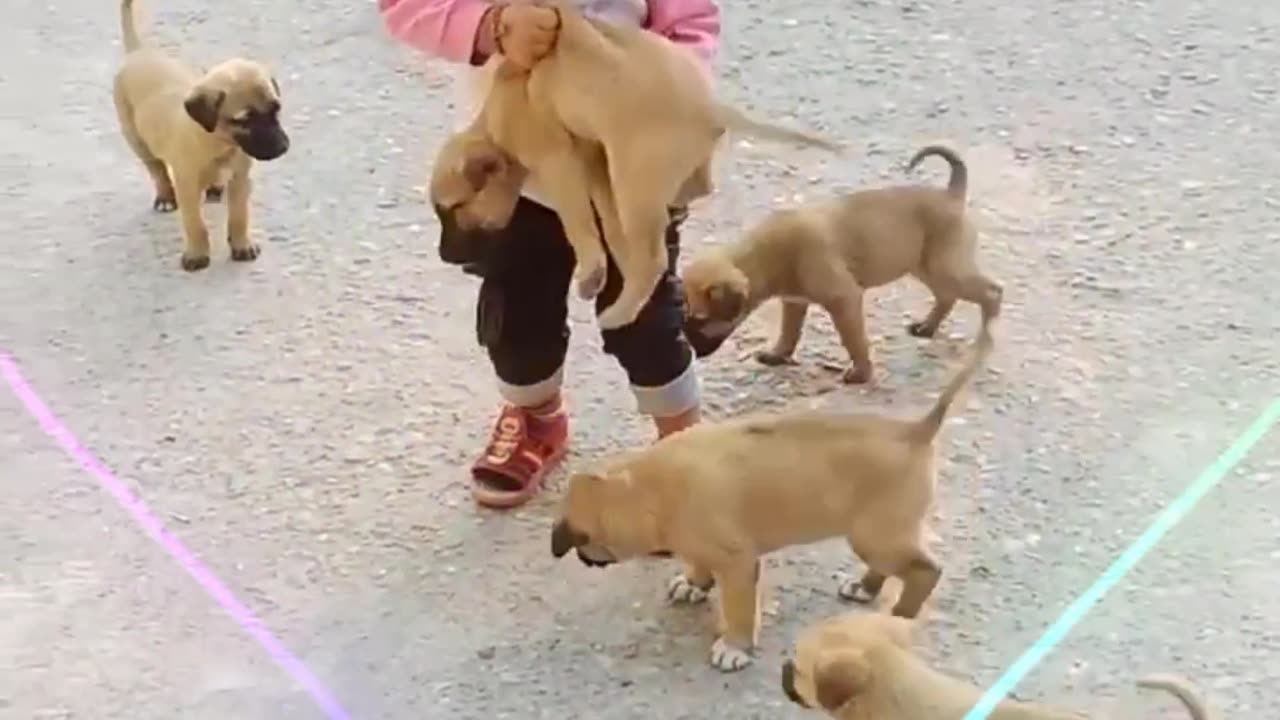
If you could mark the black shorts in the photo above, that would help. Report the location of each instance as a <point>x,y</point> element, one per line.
<point>522,313</point>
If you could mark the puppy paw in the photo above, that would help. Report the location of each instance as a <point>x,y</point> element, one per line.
<point>773,359</point>
<point>164,203</point>
<point>921,330</point>
<point>680,591</point>
<point>591,279</point>
<point>727,658</point>
<point>192,263</point>
<point>247,253</point>
<point>213,193</point>
<point>854,591</point>
<point>857,375</point>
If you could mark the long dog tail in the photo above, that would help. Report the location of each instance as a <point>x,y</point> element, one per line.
<point>128,27</point>
<point>731,118</point>
<point>926,428</point>
<point>1180,689</point>
<point>958,185</point>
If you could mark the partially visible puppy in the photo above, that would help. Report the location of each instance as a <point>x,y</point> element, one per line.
<point>616,123</point>
<point>829,252</point>
<point>720,495</point>
<point>194,132</point>
<point>862,667</point>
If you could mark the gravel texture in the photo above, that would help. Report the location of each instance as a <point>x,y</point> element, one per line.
<point>303,422</point>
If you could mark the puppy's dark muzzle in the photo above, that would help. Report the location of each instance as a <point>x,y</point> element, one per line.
<point>474,249</point>
<point>789,683</point>
<point>564,538</point>
<point>702,342</point>
<point>264,143</point>
<point>589,562</point>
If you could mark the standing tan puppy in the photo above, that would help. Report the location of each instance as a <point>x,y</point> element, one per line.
<point>828,253</point>
<point>718,496</point>
<point>614,121</point>
<point>862,667</point>
<point>191,131</point>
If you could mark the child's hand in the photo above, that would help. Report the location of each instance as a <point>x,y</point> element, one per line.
<point>524,33</point>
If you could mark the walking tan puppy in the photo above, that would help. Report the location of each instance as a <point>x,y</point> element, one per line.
<point>861,667</point>
<point>828,253</point>
<point>614,116</point>
<point>191,131</point>
<point>719,496</point>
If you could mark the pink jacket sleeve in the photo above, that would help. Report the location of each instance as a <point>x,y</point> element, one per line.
<point>443,28</point>
<point>694,24</point>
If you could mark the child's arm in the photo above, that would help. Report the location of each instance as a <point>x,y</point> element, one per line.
<point>452,30</point>
<point>694,24</point>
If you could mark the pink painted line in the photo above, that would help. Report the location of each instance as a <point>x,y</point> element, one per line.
<point>155,530</point>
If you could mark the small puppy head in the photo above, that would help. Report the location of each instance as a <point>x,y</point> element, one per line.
<point>716,300</point>
<point>834,662</point>
<point>240,101</point>
<point>474,189</point>
<point>604,517</point>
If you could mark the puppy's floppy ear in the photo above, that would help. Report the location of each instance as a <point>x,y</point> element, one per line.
<point>838,676</point>
<point>203,106</point>
<point>477,169</point>
<point>725,301</point>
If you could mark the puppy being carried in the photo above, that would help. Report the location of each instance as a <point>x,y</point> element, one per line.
<point>719,496</point>
<point>615,117</point>
<point>192,130</point>
<point>829,252</point>
<point>861,667</point>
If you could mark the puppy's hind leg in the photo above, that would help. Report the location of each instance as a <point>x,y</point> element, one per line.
<point>901,555</point>
<point>165,199</point>
<point>793,312</point>
<point>739,614</point>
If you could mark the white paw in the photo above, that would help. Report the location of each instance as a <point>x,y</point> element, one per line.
<point>727,658</point>
<point>853,591</point>
<point>681,591</point>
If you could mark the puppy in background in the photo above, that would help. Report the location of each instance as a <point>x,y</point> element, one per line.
<point>829,252</point>
<point>192,131</point>
<point>862,667</point>
<point>617,124</point>
<point>718,496</point>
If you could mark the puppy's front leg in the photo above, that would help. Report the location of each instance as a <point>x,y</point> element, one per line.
<point>847,315</point>
<point>239,188</point>
<point>739,615</point>
<point>195,236</point>
<point>691,586</point>
<point>784,347</point>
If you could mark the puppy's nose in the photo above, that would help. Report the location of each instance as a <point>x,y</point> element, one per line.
<point>789,683</point>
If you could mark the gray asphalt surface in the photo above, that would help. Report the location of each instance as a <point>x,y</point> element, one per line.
<point>304,423</point>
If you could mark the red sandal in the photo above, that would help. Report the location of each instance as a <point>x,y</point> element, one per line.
<point>524,447</point>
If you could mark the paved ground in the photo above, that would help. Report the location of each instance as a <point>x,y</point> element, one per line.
<point>301,423</point>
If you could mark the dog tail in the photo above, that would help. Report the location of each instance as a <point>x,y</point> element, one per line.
<point>927,427</point>
<point>128,27</point>
<point>958,185</point>
<point>1180,689</point>
<point>731,118</point>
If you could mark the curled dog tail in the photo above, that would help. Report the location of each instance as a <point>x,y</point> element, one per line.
<point>731,118</point>
<point>1180,689</point>
<point>128,27</point>
<point>958,185</point>
<point>926,428</point>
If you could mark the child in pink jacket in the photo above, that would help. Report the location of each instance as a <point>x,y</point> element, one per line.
<point>523,305</point>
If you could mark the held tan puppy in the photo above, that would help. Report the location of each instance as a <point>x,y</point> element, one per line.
<point>718,496</point>
<point>828,253</point>
<point>192,131</point>
<point>614,117</point>
<point>861,667</point>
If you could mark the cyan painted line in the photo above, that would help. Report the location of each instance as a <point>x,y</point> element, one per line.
<point>1172,515</point>
<point>154,529</point>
